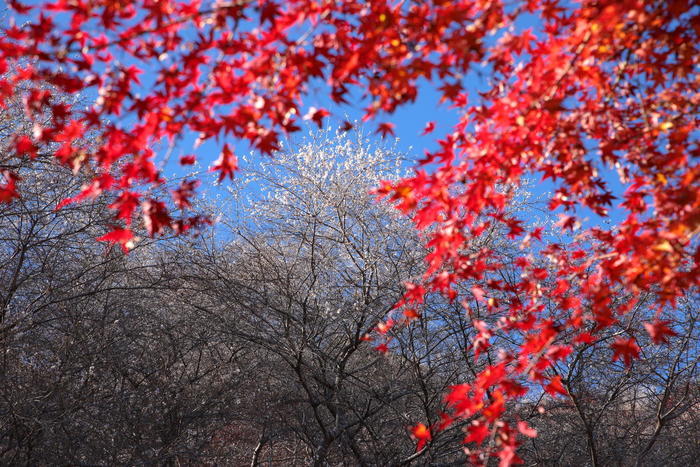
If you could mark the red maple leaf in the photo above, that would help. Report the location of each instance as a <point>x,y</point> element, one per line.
<point>477,432</point>
<point>555,387</point>
<point>183,193</point>
<point>659,331</point>
<point>155,216</point>
<point>188,160</point>
<point>121,236</point>
<point>226,164</point>
<point>625,349</point>
<point>317,115</point>
<point>383,348</point>
<point>19,7</point>
<point>8,190</point>
<point>415,293</point>
<point>125,205</point>
<point>385,129</point>
<point>429,128</point>
<point>525,429</point>
<point>24,146</point>
<point>421,433</point>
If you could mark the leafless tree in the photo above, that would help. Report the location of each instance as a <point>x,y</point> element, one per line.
<point>248,345</point>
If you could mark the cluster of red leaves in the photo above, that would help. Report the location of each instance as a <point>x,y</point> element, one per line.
<point>602,85</point>
<point>612,85</point>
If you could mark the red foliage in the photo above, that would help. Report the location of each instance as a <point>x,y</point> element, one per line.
<point>659,331</point>
<point>8,187</point>
<point>226,164</point>
<point>429,128</point>
<point>421,434</point>
<point>121,236</point>
<point>595,86</point>
<point>625,349</point>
